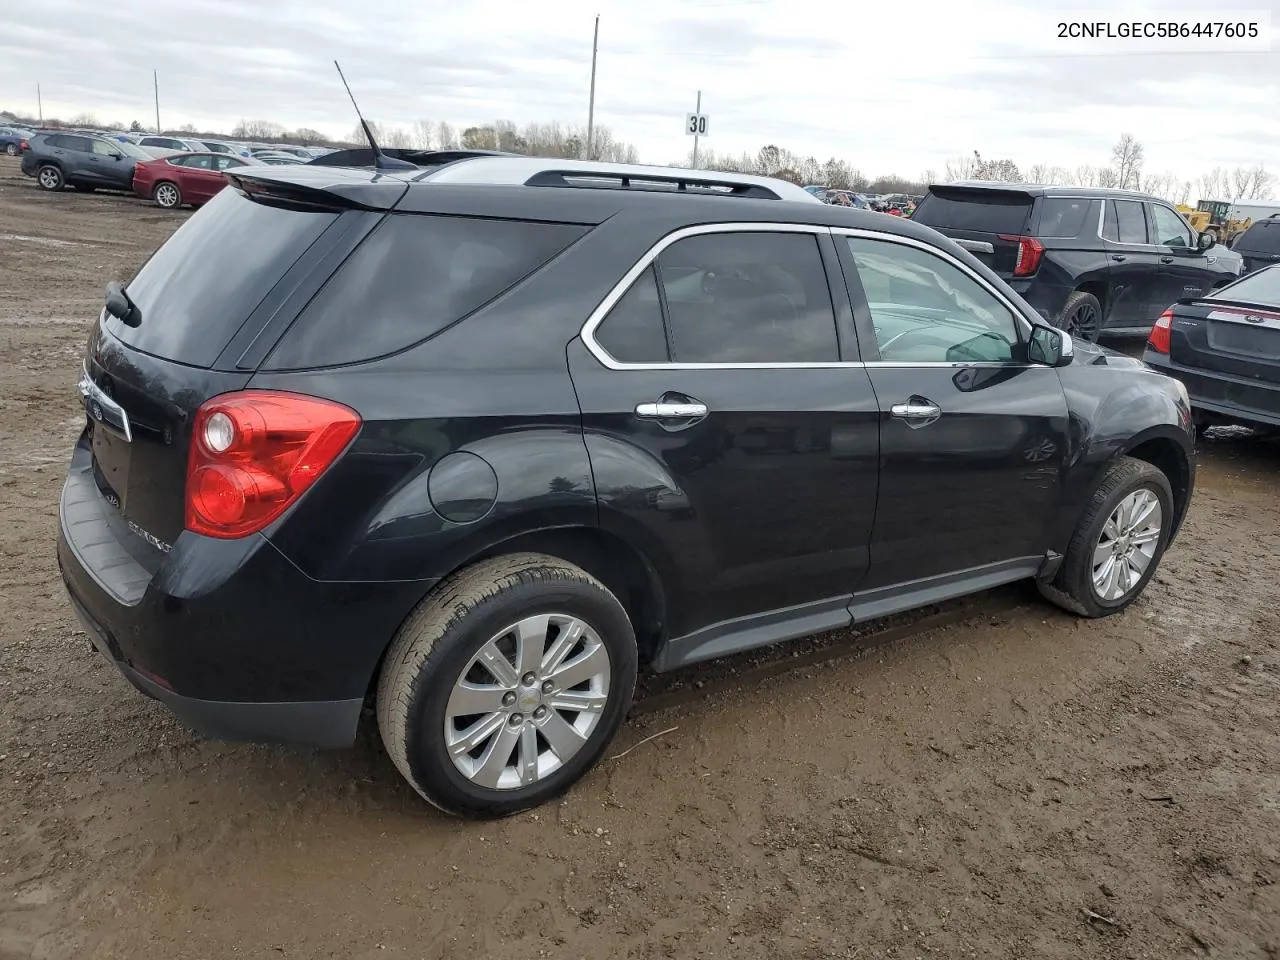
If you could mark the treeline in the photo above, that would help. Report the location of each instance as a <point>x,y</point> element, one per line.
<point>1126,170</point>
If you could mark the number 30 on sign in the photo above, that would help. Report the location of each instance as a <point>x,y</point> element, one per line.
<point>695,124</point>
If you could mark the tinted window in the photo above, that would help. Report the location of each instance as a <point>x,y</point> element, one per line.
<point>748,298</point>
<point>1262,287</point>
<point>927,310</point>
<point>985,211</point>
<point>1066,216</point>
<point>1262,237</point>
<point>1125,222</point>
<point>411,278</point>
<point>226,163</point>
<point>176,161</point>
<point>104,149</point>
<point>202,284</point>
<point>69,142</point>
<point>633,331</point>
<point>1171,229</point>
<point>198,161</point>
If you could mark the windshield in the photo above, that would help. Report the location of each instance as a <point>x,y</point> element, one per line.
<point>1262,288</point>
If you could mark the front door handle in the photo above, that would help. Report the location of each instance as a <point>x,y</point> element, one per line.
<point>1166,259</point>
<point>671,411</point>
<point>915,411</point>
<point>1119,257</point>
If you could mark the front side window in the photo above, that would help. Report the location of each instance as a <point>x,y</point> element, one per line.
<point>927,310</point>
<point>1171,229</point>
<point>750,297</point>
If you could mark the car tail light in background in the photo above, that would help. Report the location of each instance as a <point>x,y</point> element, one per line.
<point>254,453</point>
<point>1030,250</point>
<point>1160,335</point>
<point>24,145</point>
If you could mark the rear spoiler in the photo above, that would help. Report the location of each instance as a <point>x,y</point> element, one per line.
<point>363,156</point>
<point>324,193</point>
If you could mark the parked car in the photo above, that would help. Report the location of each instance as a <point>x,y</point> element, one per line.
<point>80,161</point>
<point>1259,246</point>
<point>276,158</point>
<point>1225,348</point>
<point>471,443</point>
<point>185,178</point>
<point>221,146</point>
<point>177,144</point>
<point>12,141</point>
<point>1091,261</point>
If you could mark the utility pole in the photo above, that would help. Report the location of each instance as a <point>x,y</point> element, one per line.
<point>155,79</point>
<point>697,112</point>
<point>40,104</point>
<point>591,104</point>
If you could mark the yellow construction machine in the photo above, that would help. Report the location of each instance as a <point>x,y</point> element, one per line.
<point>1214,216</point>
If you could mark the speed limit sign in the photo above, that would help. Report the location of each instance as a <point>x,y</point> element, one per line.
<point>695,124</point>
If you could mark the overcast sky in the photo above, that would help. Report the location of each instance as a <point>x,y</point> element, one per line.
<point>890,87</point>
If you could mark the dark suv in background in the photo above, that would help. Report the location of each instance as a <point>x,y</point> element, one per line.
<point>81,161</point>
<point>471,442</point>
<point>1089,260</point>
<point>1259,246</point>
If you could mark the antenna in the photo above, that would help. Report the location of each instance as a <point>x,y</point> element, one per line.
<point>380,160</point>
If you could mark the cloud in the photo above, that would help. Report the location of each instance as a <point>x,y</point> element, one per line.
<point>891,89</point>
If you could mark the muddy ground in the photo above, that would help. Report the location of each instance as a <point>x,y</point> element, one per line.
<point>1017,784</point>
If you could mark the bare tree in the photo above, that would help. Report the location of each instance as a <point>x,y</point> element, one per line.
<point>446,139</point>
<point>1251,183</point>
<point>261,130</point>
<point>1127,157</point>
<point>962,168</point>
<point>396,137</point>
<point>84,120</point>
<point>423,134</point>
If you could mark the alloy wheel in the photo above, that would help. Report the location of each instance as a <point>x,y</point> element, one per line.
<point>50,179</point>
<point>527,701</point>
<point>1084,322</point>
<point>167,195</point>
<point>1127,545</point>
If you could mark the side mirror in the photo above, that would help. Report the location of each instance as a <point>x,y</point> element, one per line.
<point>1205,240</point>
<point>1050,346</point>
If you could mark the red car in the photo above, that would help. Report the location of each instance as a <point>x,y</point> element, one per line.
<point>184,178</point>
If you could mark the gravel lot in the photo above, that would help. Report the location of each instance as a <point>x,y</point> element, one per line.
<point>1013,783</point>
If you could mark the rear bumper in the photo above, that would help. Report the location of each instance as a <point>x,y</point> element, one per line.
<point>1237,399</point>
<point>230,635</point>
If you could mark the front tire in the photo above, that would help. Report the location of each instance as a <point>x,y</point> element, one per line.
<point>1081,316</point>
<point>1118,542</point>
<point>506,684</point>
<point>50,178</point>
<point>11,149</point>
<point>167,195</point>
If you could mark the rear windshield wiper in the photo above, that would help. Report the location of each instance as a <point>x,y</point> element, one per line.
<point>120,306</point>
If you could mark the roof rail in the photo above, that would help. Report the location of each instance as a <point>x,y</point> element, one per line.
<point>582,174</point>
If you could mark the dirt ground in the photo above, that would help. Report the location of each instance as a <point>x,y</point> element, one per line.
<point>1016,784</point>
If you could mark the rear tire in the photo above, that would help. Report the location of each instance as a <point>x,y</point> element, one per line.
<point>1105,534</point>
<point>50,177</point>
<point>1081,316</point>
<point>167,195</point>
<point>11,149</point>
<point>445,660</point>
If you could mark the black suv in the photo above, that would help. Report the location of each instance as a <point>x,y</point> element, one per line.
<point>474,442</point>
<point>1089,260</point>
<point>81,161</point>
<point>1259,246</point>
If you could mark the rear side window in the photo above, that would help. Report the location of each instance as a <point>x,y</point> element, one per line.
<point>1262,237</point>
<point>411,278</point>
<point>633,330</point>
<point>982,211</point>
<point>1125,222</point>
<point>748,298</point>
<point>1065,217</point>
<point>204,282</point>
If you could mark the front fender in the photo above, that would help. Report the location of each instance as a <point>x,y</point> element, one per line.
<point>1115,410</point>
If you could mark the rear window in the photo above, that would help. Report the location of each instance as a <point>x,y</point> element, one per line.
<point>1262,237</point>
<point>1066,216</point>
<point>982,211</point>
<point>204,282</point>
<point>1262,288</point>
<point>411,278</point>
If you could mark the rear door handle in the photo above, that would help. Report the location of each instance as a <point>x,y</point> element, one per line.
<point>1166,259</point>
<point>1120,257</point>
<point>671,411</point>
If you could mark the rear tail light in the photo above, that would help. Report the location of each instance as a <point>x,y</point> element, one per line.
<point>1158,339</point>
<point>254,453</point>
<point>24,146</point>
<point>1030,250</point>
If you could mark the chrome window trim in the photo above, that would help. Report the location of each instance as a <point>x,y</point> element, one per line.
<point>1145,246</point>
<point>616,293</point>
